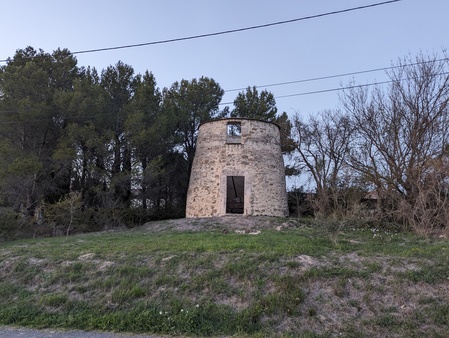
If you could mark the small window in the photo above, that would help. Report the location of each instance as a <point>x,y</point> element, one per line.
<point>234,129</point>
<point>234,132</point>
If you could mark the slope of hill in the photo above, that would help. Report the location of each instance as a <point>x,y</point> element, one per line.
<point>244,276</point>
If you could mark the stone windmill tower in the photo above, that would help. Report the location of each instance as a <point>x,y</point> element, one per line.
<point>238,169</point>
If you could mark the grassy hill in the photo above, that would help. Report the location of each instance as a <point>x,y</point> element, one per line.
<point>242,276</point>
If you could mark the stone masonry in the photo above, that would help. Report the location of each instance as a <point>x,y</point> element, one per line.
<point>238,168</point>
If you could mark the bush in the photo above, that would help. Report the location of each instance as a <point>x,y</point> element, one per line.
<point>64,214</point>
<point>8,224</point>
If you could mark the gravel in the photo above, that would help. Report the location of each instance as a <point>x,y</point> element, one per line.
<point>14,332</point>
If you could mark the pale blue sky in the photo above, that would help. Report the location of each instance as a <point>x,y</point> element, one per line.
<point>342,43</point>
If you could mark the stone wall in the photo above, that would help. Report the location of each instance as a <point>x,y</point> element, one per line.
<point>253,152</point>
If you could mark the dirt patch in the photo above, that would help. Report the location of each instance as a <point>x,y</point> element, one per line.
<point>86,257</point>
<point>104,265</point>
<point>7,265</point>
<point>228,223</point>
<point>37,261</point>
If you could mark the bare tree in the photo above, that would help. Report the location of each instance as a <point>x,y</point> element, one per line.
<point>401,130</point>
<point>322,145</point>
<point>64,213</point>
<point>429,214</point>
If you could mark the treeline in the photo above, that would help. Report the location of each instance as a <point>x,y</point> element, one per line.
<point>384,156</point>
<point>82,150</point>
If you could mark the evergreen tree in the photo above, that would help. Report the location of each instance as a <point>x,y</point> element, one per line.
<point>252,105</point>
<point>118,83</point>
<point>190,103</point>
<point>31,125</point>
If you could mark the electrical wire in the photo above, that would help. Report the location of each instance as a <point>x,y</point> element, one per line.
<point>338,75</point>
<point>313,79</point>
<point>234,31</point>
<point>229,31</point>
<point>340,88</point>
<point>228,103</point>
<point>324,90</point>
<point>221,104</point>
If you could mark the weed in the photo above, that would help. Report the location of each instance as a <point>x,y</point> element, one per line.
<point>440,314</point>
<point>126,293</point>
<point>168,280</point>
<point>243,267</point>
<point>54,300</point>
<point>340,288</point>
<point>427,300</point>
<point>355,303</point>
<point>353,332</point>
<point>292,264</point>
<point>210,280</point>
<point>8,291</point>
<point>430,274</point>
<point>373,267</point>
<point>311,312</point>
<point>387,320</point>
<point>390,309</point>
<point>332,272</point>
<point>287,298</point>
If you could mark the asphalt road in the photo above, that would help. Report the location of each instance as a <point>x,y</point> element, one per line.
<point>14,332</point>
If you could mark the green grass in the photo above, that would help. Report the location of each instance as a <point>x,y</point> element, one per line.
<point>209,283</point>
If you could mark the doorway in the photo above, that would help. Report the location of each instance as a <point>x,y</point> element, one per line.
<point>235,192</point>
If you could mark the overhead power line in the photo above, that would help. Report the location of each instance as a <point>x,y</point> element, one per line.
<point>231,30</point>
<point>285,83</point>
<point>323,91</point>
<point>338,75</point>
<point>221,104</point>
<point>336,89</point>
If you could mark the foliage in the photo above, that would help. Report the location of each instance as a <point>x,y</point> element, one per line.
<point>32,124</point>
<point>114,139</point>
<point>300,203</point>
<point>251,104</point>
<point>402,134</point>
<point>126,146</point>
<point>384,158</point>
<point>8,224</point>
<point>287,141</point>
<point>262,106</point>
<point>322,145</point>
<point>188,104</point>
<point>64,213</point>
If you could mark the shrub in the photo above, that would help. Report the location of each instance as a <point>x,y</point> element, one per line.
<point>8,224</point>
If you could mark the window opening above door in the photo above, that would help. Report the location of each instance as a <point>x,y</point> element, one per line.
<point>234,132</point>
